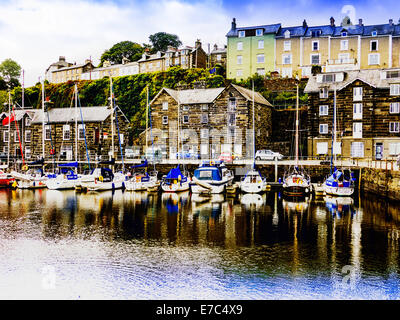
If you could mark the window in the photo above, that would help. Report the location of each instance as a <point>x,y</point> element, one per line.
<point>239,46</point>
<point>28,136</point>
<point>185,119</point>
<point>357,129</point>
<point>16,136</point>
<point>323,93</point>
<point>167,62</point>
<point>185,107</point>
<point>261,71</point>
<point>373,59</point>
<point>287,72</point>
<point>239,72</point>
<point>323,110</point>
<point>5,149</point>
<point>395,89</point>
<point>165,120</point>
<point>28,121</point>
<point>357,110</point>
<point>260,44</point>
<point>121,138</point>
<point>314,59</point>
<point>81,132</point>
<point>47,132</point>
<point>315,46</point>
<point>322,147</point>
<point>239,59</point>
<point>232,105</point>
<point>394,127</point>
<point>204,107</point>
<point>357,94</point>
<point>373,45</point>
<point>231,119</point>
<point>286,59</point>
<point>204,133</point>
<point>260,58</point>
<point>394,107</point>
<point>374,33</point>
<point>204,118</point>
<point>165,105</point>
<point>394,149</point>
<point>28,152</point>
<point>315,33</point>
<point>287,45</point>
<point>287,34</point>
<point>357,149</point>
<point>328,78</point>
<point>392,74</point>
<point>66,132</point>
<point>241,34</point>
<point>259,32</point>
<point>344,34</point>
<point>344,57</point>
<point>323,128</point>
<point>219,57</point>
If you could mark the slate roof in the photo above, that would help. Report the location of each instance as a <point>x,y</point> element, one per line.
<point>270,28</point>
<point>294,32</point>
<point>248,94</point>
<point>371,77</point>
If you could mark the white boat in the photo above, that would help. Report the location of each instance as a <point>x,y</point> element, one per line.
<point>65,179</point>
<point>31,179</point>
<point>141,180</point>
<point>102,179</point>
<point>253,182</point>
<point>340,183</point>
<point>175,181</point>
<point>211,177</point>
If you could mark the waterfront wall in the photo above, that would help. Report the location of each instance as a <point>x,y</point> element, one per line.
<point>385,183</point>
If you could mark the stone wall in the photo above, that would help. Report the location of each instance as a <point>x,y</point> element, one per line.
<point>385,183</point>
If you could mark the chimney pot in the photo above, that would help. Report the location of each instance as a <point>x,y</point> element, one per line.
<point>332,22</point>
<point>234,24</point>
<point>304,23</point>
<point>391,22</point>
<point>360,22</point>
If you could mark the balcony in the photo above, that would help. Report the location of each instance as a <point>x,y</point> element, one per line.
<point>344,64</point>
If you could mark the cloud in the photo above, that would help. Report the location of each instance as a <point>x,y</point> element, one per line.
<point>36,33</point>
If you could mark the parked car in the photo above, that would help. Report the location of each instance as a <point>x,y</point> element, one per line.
<point>268,155</point>
<point>187,155</point>
<point>225,157</point>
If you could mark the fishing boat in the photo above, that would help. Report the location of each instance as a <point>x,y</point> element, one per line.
<point>6,179</point>
<point>141,179</point>
<point>211,177</point>
<point>176,181</point>
<point>253,181</point>
<point>65,178</point>
<point>341,182</point>
<point>296,181</point>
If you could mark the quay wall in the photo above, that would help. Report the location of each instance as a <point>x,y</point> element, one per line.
<point>384,183</point>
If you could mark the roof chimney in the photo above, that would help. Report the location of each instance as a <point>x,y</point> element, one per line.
<point>61,58</point>
<point>198,43</point>
<point>360,22</point>
<point>304,23</point>
<point>390,22</point>
<point>215,47</point>
<point>234,24</point>
<point>332,20</point>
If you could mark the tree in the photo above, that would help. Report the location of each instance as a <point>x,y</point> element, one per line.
<point>128,49</point>
<point>10,71</point>
<point>161,40</point>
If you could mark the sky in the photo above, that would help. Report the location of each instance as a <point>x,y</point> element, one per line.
<point>35,33</point>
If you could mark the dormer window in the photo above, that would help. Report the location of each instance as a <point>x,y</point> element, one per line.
<point>344,33</point>
<point>259,32</point>
<point>287,34</point>
<point>374,33</point>
<point>241,34</point>
<point>315,33</point>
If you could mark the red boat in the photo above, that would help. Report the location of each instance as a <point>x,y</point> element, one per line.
<point>6,180</point>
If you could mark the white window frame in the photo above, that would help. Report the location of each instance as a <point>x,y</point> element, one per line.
<point>377,45</point>
<point>285,56</point>
<point>374,33</point>
<point>313,55</point>
<point>185,119</point>
<point>261,71</point>
<point>204,133</point>
<point>28,121</point>
<point>259,60</point>
<point>357,93</point>
<point>377,56</point>
<point>81,131</point>
<point>323,128</point>
<point>322,147</point>
<point>394,107</point>
<point>165,120</point>
<point>66,128</point>
<point>394,127</point>
<point>260,44</point>
<point>28,133</point>
<point>239,59</point>
<point>287,72</point>
<point>241,34</point>
<point>287,45</point>
<point>259,32</point>
<point>357,149</point>
<point>204,118</point>
<point>239,72</point>
<point>323,110</point>
<point>312,45</point>
<point>394,149</point>
<point>15,136</point>
<point>28,152</point>
<point>395,89</point>
<point>47,130</point>
<point>287,34</point>
<point>357,130</point>
<point>323,93</point>
<point>165,106</point>
<point>344,57</point>
<point>239,46</point>
<point>357,111</point>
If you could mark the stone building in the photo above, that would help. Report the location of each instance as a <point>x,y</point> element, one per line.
<point>60,125</point>
<point>207,122</point>
<point>217,56</point>
<point>367,114</point>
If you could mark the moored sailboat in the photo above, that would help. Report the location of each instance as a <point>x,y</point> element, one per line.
<point>211,177</point>
<point>175,181</point>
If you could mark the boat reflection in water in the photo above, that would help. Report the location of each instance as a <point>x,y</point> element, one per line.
<point>252,200</point>
<point>339,206</point>
<point>300,206</point>
<point>174,201</point>
<point>208,205</point>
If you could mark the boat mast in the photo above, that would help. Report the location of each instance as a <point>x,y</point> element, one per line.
<point>297,126</point>
<point>23,106</point>
<point>147,116</point>
<point>43,132</point>
<point>334,127</point>
<point>76,122</point>
<point>254,135</point>
<point>112,119</point>
<point>9,123</point>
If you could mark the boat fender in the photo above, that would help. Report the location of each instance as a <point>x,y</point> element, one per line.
<point>101,178</point>
<point>25,167</point>
<point>175,182</point>
<point>14,184</point>
<point>212,163</point>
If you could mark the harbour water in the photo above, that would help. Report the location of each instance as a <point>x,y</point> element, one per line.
<point>127,245</point>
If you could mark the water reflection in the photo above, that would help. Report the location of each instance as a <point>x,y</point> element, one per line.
<point>243,238</point>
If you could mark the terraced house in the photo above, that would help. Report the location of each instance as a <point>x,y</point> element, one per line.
<point>367,114</point>
<point>207,122</point>
<point>292,51</point>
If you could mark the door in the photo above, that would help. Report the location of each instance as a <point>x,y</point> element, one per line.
<point>379,151</point>
<point>96,136</point>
